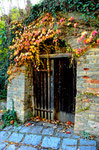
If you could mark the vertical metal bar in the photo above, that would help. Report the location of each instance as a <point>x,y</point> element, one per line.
<point>52,89</point>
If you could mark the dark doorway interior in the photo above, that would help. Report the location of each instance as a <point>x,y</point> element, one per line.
<point>55,89</point>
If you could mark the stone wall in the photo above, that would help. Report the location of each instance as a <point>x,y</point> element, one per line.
<point>20,91</point>
<point>87,100</point>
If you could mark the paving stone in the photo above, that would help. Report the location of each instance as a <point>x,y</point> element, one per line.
<point>4,135</point>
<point>11,147</point>
<point>36,129</point>
<point>48,131</point>
<point>87,142</point>
<point>27,148</point>
<point>63,134</point>
<point>68,142</point>
<point>8,127</point>
<point>32,139</point>
<point>2,146</point>
<point>70,148</point>
<point>25,130</point>
<point>87,148</point>
<point>49,125</point>
<point>51,142</point>
<point>40,123</point>
<point>71,131</point>
<point>16,137</point>
<point>16,128</point>
<point>75,136</point>
<point>59,129</point>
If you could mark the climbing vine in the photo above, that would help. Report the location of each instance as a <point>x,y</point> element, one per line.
<point>43,36</point>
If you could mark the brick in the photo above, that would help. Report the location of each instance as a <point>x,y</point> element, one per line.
<point>87,142</point>
<point>16,137</point>
<point>32,139</point>
<point>51,142</point>
<point>92,81</point>
<point>86,69</point>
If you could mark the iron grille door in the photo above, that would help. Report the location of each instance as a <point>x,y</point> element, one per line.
<point>43,90</point>
<point>55,89</point>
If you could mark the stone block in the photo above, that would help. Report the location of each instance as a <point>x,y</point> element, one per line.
<point>69,142</point>
<point>69,148</point>
<point>87,142</point>
<point>25,130</point>
<point>11,147</point>
<point>88,148</point>
<point>27,148</point>
<point>75,136</point>
<point>4,135</point>
<point>32,139</point>
<point>48,131</point>
<point>63,135</point>
<point>16,137</point>
<point>2,146</point>
<point>51,142</point>
<point>36,129</point>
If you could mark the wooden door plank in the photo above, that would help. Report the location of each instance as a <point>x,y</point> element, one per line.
<point>52,89</point>
<point>49,104</point>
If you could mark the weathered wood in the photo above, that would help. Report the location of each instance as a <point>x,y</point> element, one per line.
<point>52,56</point>
<point>49,103</point>
<point>42,95</point>
<point>52,89</point>
<point>45,88</point>
<point>44,110</point>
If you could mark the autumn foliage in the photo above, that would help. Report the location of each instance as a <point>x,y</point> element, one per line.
<point>29,42</point>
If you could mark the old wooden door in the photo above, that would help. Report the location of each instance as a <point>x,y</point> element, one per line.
<point>55,89</point>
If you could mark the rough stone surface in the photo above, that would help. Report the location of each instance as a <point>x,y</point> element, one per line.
<point>26,148</point>
<point>36,141</point>
<point>51,142</point>
<point>49,131</point>
<point>11,147</point>
<point>32,139</point>
<point>4,135</point>
<point>16,137</point>
<point>2,146</point>
<point>68,142</point>
<point>87,99</point>
<point>87,142</point>
<point>87,148</point>
<point>21,92</point>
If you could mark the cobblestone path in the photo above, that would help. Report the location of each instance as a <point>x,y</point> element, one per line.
<point>42,136</point>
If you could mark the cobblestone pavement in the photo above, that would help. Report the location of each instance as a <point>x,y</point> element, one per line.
<point>42,136</point>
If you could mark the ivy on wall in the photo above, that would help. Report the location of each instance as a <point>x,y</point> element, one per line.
<point>87,8</point>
